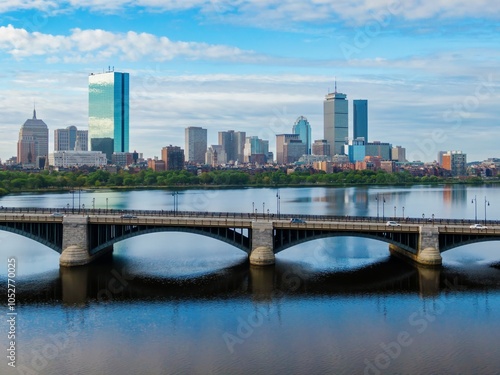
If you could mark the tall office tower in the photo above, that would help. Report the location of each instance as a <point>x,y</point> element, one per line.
<point>303,129</point>
<point>321,147</point>
<point>289,148</point>
<point>456,162</point>
<point>335,112</point>
<point>70,138</point>
<point>255,146</point>
<point>360,119</point>
<point>196,144</point>
<point>33,141</point>
<point>109,112</point>
<point>233,144</point>
<point>173,156</point>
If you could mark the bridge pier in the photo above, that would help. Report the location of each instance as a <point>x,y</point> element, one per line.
<point>75,242</point>
<point>262,253</point>
<point>428,253</point>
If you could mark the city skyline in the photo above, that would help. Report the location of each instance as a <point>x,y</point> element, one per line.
<point>431,85</point>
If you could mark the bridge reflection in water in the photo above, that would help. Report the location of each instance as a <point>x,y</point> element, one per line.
<point>113,281</point>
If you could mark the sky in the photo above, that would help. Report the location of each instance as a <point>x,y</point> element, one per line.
<point>429,69</point>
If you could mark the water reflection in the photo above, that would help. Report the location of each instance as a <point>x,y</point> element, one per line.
<point>113,280</point>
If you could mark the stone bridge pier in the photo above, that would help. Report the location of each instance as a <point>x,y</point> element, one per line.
<point>75,243</point>
<point>262,253</point>
<point>428,253</point>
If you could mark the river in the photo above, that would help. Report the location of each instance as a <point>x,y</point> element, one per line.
<point>179,303</point>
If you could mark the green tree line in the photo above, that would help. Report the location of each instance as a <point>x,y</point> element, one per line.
<point>14,181</point>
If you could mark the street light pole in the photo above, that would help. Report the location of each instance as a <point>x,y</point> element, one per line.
<point>278,197</point>
<point>376,198</point>
<point>383,207</point>
<point>475,207</point>
<point>485,203</point>
<point>263,208</point>
<point>394,212</point>
<point>403,212</point>
<point>93,203</point>
<point>106,204</point>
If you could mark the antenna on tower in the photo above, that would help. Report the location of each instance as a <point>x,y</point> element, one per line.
<point>335,85</point>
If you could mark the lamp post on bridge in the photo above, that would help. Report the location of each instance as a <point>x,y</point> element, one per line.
<point>376,198</point>
<point>383,207</point>
<point>485,203</point>
<point>253,207</point>
<point>176,201</point>
<point>278,198</point>
<point>474,200</point>
<point>106,205</point>
<point>263,208</point>
<point>403,212</point>
<point>93,203</point>
<point>394,212</point>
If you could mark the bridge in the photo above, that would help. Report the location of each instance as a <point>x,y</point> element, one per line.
<point>81,236</point>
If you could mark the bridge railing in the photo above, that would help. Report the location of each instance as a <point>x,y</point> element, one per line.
<point>244,215</point>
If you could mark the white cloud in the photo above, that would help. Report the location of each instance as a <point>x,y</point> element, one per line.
<point>85,45</point>
<point>268,12</point>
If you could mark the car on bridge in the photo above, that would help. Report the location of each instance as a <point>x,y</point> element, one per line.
<point>478,226</point>
<point>57,214</point>
<point>128,216</point>
<point>296,220</point>
<point>392,224</point>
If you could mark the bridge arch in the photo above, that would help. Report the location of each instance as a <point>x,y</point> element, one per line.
<point>471,239</point>
<point>50,236</point>
<point>227,235</point>
<point>409,242</point>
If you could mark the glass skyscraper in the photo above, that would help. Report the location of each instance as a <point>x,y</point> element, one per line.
<point>303,129</point>
<point>109,112</point>
<point>360,119</point>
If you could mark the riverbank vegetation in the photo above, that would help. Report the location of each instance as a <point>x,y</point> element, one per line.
<point>17,181</point>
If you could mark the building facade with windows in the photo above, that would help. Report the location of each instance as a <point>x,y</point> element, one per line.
<point>196,144</point>
<point>33,141</point>
<point>109,112</point>
<point>360,119</point>
<point>70,139</point>
<point>335,113</point>
<point>303,129</point>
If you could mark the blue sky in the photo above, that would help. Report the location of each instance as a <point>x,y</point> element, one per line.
<point>429,69</point>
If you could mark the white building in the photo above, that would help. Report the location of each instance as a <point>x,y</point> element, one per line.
<point>196,144</point>
<point>68,159</point>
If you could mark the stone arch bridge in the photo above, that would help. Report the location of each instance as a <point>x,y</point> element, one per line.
<point>82,236</point>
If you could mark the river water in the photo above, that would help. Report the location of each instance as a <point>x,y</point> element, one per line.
<point>178,303</point>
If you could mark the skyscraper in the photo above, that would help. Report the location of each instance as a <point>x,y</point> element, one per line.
<point>70,138</point>
<point>360,119</point>
<point>33,141</point>
<point>233,144</point>
<point>335,112</point>
<point>289,148</point>
<point>303,129</point>
<point>109,112</point>
<point>196,144</point>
